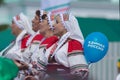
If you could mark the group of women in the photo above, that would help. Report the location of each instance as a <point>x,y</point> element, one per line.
<point>52,49</point>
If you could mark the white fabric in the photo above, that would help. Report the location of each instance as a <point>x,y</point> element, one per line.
<point>72,26</point>
<point>49,20</point>
<point>15,51</point>
<point>4,51</point>
<point>38,58</point>
<point>62,20</point>
<point>62,55</point>
<point>32,49</point>
<point>118,77</point>
<point>41,13</point>
<point>19,38</point>
<point>61,42</point>
<point>79,59</point>
<point>47,52</point>
<point>23,23</point>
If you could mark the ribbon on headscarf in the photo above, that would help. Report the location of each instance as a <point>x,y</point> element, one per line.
<point>41,14</point>
<point>18,22</point>
<point>62,20</point>
<point>50,19</point>
<point>23,23</point>
<point>72,26</point>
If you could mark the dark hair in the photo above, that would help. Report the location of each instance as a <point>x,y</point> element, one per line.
<point>37,12</point>
<point>44,16</point>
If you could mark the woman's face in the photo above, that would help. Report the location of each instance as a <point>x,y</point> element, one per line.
<point>35,23</point>
<point>44,25</point>
<point>58,27</point>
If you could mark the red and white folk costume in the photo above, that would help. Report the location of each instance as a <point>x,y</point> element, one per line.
<point>68,51</point>
<point>33,43</point>
<point>38,58</point>
<point>45,43</point>
<point>19,45</point>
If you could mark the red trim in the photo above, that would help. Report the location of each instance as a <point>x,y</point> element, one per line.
<point>38,38</point>
<point>24,41</point>
<point>74,45</point>
<point>50,41</point>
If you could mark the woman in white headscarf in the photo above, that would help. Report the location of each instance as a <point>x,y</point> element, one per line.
<point>35,40</point>
<point>37,56</point>
<point>22,30</point>
<point>67,53</point>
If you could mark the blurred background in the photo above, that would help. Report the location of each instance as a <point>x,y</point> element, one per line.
<point>92,15</point>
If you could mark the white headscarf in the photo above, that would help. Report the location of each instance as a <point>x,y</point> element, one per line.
<point>23,23</point>
<point>72,26</point>
<point>41,14</point>
<point>50,20</point>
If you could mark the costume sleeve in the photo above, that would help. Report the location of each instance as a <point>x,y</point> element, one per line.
<point>24,42</point>
<point>33,56</point>
<point>32,48</point>
<point>4,51</point>
<point>39,58</point>
<point>77,63</point>
<point>38,63</point>
<point>12,53</point>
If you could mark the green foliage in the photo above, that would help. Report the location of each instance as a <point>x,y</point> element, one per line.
<point>1,2</point>
<point>3,27</point>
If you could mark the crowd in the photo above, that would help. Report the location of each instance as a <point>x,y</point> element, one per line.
<point>50,49</point>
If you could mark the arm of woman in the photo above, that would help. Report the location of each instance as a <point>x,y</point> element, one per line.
<point>77,63</point>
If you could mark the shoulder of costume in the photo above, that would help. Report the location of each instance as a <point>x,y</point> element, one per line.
<point>74,46</point>
<point>24,41</point>
<point>37,38</point>
<point>50,41</point>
